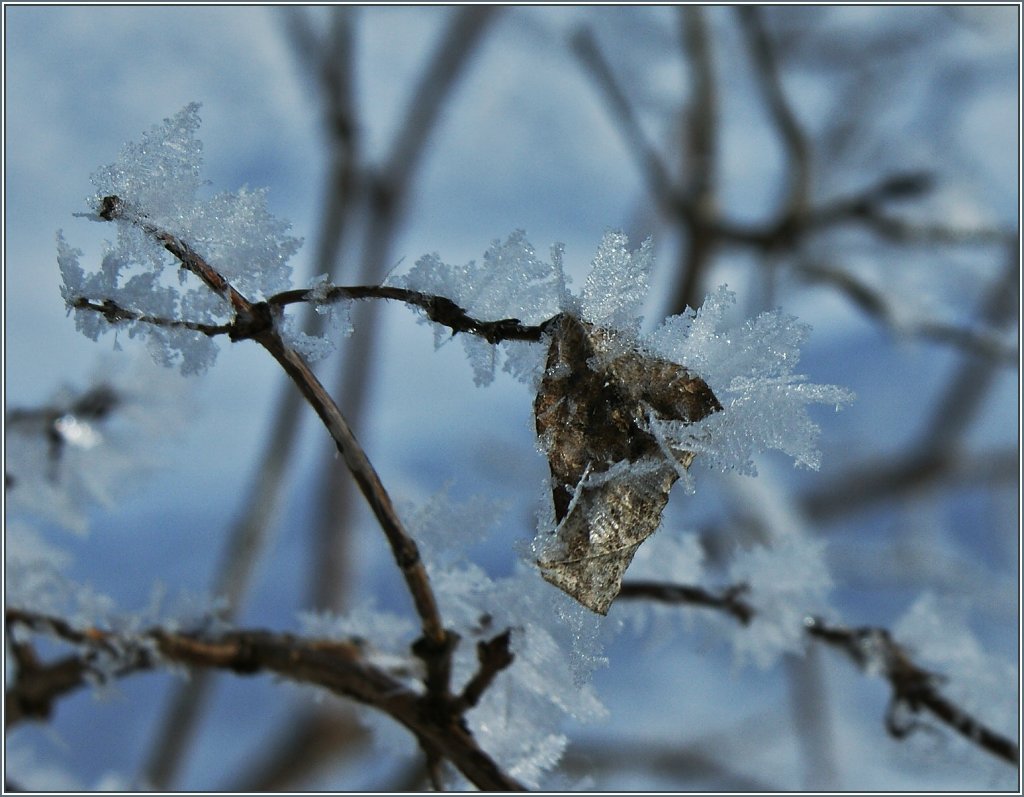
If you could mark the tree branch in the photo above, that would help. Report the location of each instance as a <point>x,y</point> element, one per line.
<point>793,138</point>
<point>983,342</point>
<point>729,600</point>
<point>871,649</point>
<point>115,313</point>
<point>494,656</point>
<point>438,308</point>
<point>701,150</point>
<point>659,180</point>
<point>338,666</point>
<point>255,321</point>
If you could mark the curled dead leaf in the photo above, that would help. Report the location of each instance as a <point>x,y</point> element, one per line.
<point>610,476</point>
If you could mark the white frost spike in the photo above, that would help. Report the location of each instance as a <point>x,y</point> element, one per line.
<point>618,283</point>
<point>158,176</point>
<point>937,631</point>
<point>337,323</point>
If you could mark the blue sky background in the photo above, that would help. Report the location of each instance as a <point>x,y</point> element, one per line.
<point>524,142</point>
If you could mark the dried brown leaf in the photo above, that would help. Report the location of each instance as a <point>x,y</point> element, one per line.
<point>592,412</point>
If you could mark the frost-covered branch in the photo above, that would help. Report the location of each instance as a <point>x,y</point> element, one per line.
<point>254,320</point>
<point>340,666</point>
<point>61,424</point>
<point>914,688</point>
<point>114,314</point>
<point>439,309</point>
<point>113,208</point>
<point>872,649</point>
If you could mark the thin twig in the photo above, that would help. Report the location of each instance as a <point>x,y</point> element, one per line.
<point>913,687</point>
<point>863,486</point>
<point>876,303</point>
<point>494,656</point>
<point>115,314</point>
<point>438,308</point>
<point>256,321</point>
<point>729,600</point>
<point>384,194</point>
<point>461,38</point>
<point>700,149</point>
<point>962,399</point>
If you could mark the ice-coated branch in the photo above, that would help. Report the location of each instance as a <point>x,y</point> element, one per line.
<point>254,320</point>
<point>95,404</point>
<point>872,649</point>
<point>113,208</point>
<point>338,666</point>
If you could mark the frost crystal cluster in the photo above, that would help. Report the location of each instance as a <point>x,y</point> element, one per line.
<point>158,183</point>
<point>511,282</point>
<point>620,415</point>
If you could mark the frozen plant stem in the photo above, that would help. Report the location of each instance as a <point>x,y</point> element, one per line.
<point>254,320</point>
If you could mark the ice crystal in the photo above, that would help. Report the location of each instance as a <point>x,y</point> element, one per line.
<point>937,633</point>
<point>750,370</point>
<point>617,285</point>
<point>35,570</point>
<point>383,636</point>
<point>787,578</point>
<point>619,415</point>
<point>511,282</point>
<point>337,316</point>
<point>556,643</point>
<point>157,181</point>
